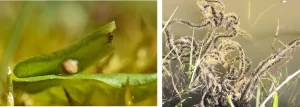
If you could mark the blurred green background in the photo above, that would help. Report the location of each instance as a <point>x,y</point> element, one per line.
<point>49,26</point>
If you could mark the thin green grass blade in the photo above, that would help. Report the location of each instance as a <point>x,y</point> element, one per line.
<point>275,102</point>
<point>180,103</point>
<point>229,101</point>
<point>258,95</point>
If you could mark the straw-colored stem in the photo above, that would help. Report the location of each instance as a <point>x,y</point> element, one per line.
<point>10,95</point>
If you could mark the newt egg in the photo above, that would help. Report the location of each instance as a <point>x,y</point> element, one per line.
<point>70,66</point>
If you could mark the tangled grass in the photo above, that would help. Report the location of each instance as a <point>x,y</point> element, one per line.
<point>213,71</point>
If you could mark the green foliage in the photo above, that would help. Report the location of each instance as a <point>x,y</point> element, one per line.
<point>230,101</point>
<point>275,102</point>
<point>89,89</point>
<point>115,80</point>
<point>15,36</point>
<point>86,52</point>
<point>180,103</point>
<point>44,75</point>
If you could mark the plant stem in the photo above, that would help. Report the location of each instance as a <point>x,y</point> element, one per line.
<point>263,13</point>
<point>10,95</point>
<point>258,95</point>
<point>229,101</point>
<point>13,41</point>
<point>169,19</point>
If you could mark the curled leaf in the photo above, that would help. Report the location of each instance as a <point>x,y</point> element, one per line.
<point>87,51</point>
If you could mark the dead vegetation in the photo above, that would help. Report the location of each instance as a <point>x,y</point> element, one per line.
<point>213,70</point>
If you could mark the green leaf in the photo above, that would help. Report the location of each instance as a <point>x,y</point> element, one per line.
<point>91,89</point>
<point>38,83</point>
<point>90,92</point>
<point>87,51</point>
<point>180,103</point>
<point>275,102</point>
<point>41,74</point>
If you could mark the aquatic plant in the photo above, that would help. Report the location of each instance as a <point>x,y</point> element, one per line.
<point>214,70</point>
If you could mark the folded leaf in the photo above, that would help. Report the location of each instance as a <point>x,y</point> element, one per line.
<point>61,70</point>
<point>86,52</point>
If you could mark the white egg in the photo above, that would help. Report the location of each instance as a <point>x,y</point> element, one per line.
<point>70,66</point>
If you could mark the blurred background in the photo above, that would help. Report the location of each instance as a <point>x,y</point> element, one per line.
<point>263,32</point>
<point>33,28</point>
